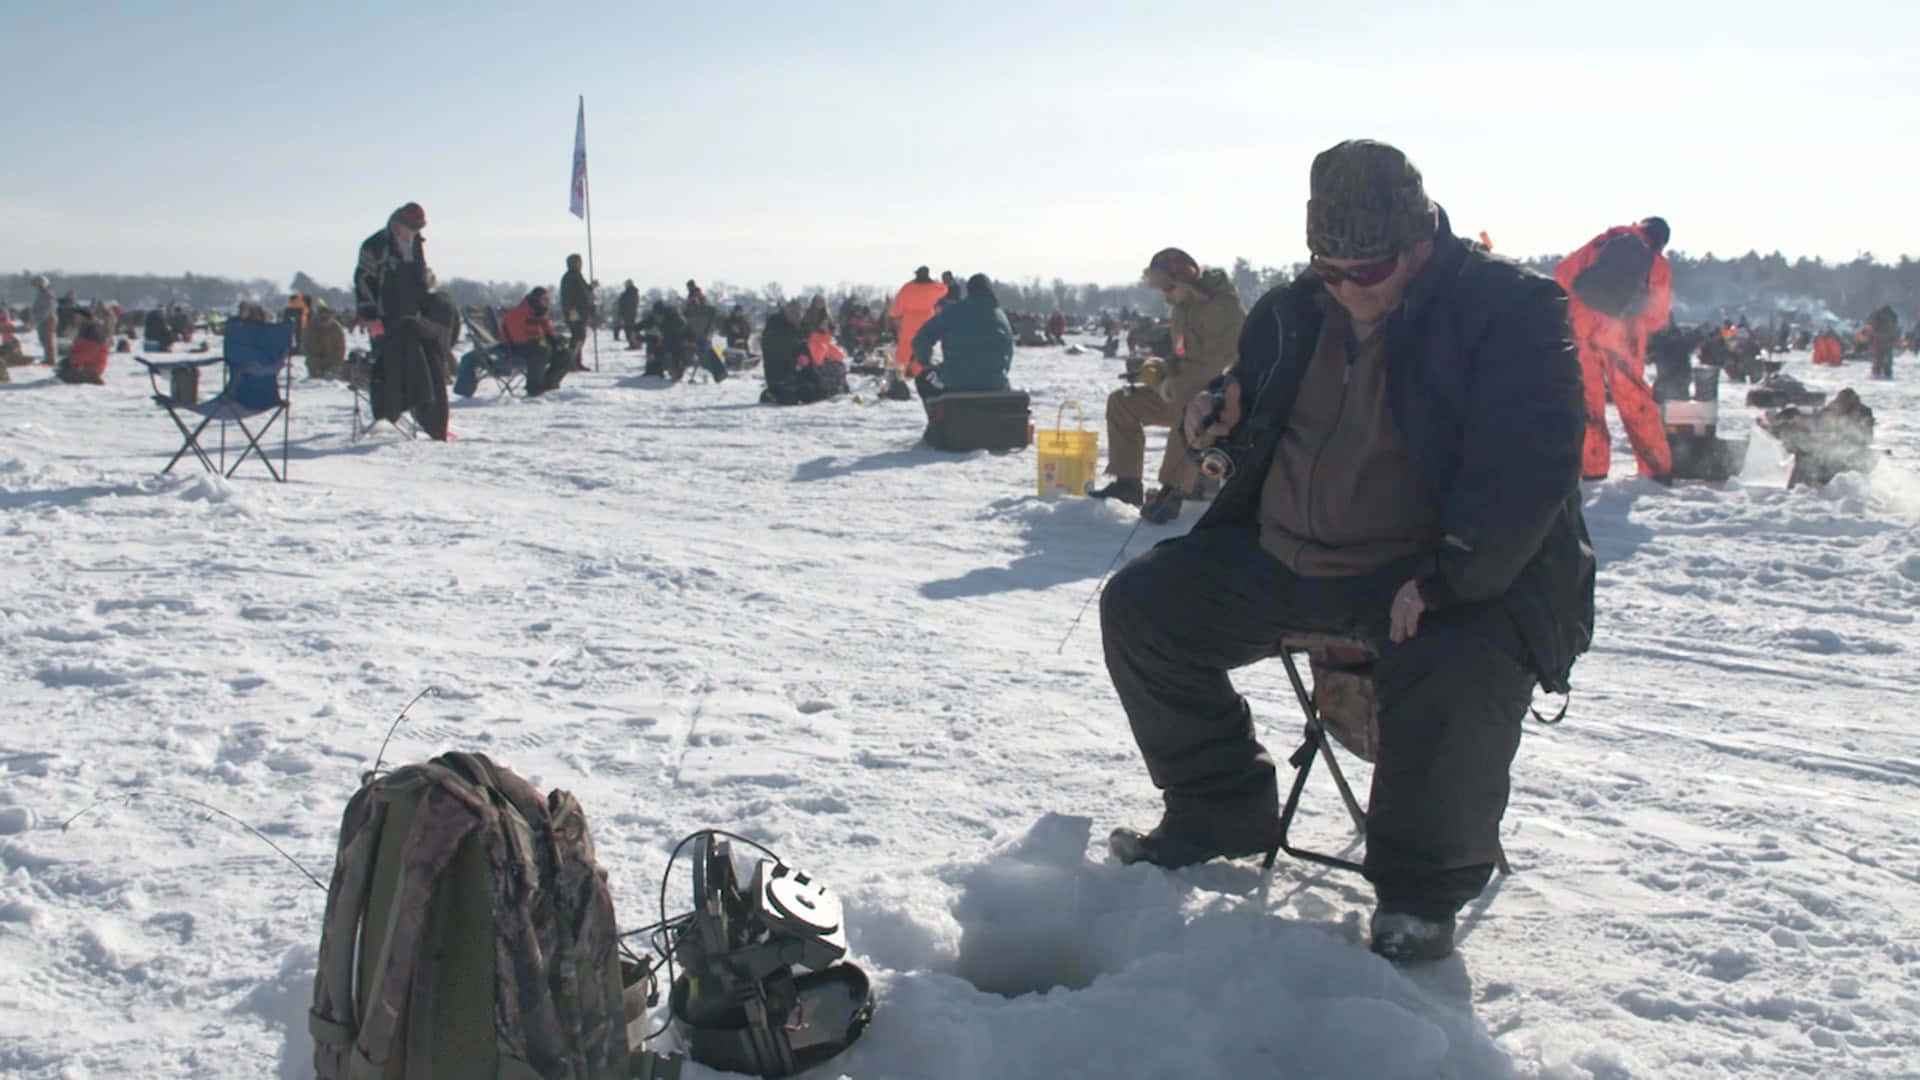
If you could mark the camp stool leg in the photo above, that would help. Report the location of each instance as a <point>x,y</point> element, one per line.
<point>1314,745</point>
<point>1317,744</point>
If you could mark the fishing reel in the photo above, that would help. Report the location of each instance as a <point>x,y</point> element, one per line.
<point>762,987</point>
<point>1215,462</point>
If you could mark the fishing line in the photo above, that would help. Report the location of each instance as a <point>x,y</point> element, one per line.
<point>1101,584</point>
<point>262,837</point>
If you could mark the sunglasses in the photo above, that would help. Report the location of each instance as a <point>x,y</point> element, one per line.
<point>1364,275</point>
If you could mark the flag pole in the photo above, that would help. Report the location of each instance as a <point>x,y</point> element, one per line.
<point>586,200</point>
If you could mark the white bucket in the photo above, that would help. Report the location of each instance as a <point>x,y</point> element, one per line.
<point>1697,417</point>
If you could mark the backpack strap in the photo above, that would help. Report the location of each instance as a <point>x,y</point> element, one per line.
<point>446,815</point>
<point>333,1021</point>
<point>532,952</point>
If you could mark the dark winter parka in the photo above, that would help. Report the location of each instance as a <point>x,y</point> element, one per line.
<point>781,343</point>
<point>385,284</point>
<point>976,343</point>
<point>1484,385</point>
<point>576,297</point>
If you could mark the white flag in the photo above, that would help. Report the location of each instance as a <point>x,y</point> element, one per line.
<point>577,201</point>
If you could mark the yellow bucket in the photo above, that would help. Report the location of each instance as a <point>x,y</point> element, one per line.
<point>1068,457</point>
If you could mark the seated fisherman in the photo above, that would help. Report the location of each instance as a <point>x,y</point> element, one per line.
<point>736,328</point>
<point>160,334</point>
<point>1406,420</point>
<point>527,337</point>
<point>976,344</point>
<point>528,332</point>
<point>782,344</point>
<point>86,362</point>
<point>823,367</point>
<point>326,344</point>
<point>1202,343</point>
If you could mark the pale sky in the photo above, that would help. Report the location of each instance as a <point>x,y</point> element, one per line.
<point>850,142</point>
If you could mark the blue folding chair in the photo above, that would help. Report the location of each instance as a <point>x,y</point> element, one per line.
<point>259,383</point>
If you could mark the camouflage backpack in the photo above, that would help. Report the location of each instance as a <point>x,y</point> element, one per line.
<point>469,933</point>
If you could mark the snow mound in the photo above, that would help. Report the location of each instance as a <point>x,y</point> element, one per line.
<point>208,487</point>
<point>1066,967</point>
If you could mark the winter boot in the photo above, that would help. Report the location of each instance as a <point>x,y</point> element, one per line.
<point>1127,489</point>
<point>1163,507</point>
<point>1408,939</point>
<point>1226,823</point>
<point>1174,843</point>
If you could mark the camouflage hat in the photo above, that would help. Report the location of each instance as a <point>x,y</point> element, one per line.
<point>1366,201</point>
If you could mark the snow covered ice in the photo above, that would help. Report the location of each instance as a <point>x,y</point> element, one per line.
<point>800,625</point>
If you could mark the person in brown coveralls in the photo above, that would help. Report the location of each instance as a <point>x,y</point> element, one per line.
<point>1206,332</point>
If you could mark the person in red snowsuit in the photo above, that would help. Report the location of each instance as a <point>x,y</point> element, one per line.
<point>1614,303</point>
<point>912,307</point>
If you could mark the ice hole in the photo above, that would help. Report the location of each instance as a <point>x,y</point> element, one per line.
<point>1026,929</point>
<point>1036,917</point>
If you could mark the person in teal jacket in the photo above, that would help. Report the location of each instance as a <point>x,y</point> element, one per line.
<point>976,344</point>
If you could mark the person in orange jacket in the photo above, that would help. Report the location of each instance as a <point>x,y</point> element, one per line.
<point>1619,290</point>
<point>528,332</point>
<point>912,307</point>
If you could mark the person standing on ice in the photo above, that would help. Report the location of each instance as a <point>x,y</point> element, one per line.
<point>1406,421</point>
<point>626,311</point>
<point>912,307</point>
<point>391,286</point>
<point>700,315</point>
<point>1206,333</point>
<point>1619,292</point>
<point>45,319</point>
<point>576,301</point>
<point>1883,329</point>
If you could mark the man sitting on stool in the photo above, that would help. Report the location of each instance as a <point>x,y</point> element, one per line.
<point>1406,419</point>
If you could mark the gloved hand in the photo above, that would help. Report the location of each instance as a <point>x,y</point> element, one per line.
<point>1199,433</point>
<point>1151,373</point>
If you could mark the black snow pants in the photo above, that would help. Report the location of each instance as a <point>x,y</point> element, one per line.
<point>1176,620</point>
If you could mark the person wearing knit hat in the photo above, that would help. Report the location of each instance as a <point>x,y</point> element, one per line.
<point>1404,423</point>
<point>391,279</point>
<point>392,286</point>
<point>1206,331</point>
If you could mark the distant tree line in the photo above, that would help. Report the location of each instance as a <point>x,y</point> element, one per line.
<point>1758,287</point>
<point>1763,288</point>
